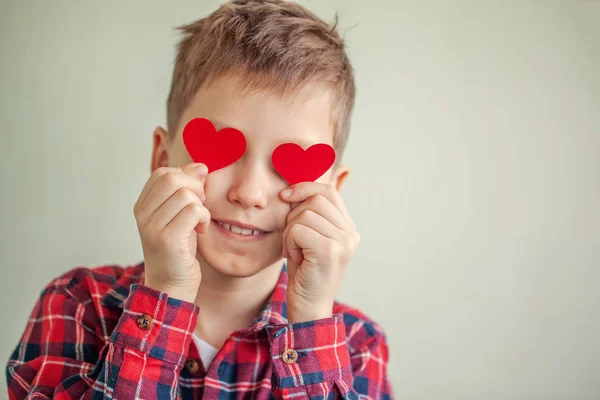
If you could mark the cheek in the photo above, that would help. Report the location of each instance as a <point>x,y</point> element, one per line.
<point>281,211</point>
<point>215,188</point>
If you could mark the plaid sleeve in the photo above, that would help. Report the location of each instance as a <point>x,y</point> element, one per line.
<point>64,354</point>
<point>315,359</point>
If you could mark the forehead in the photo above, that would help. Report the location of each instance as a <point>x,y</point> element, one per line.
<point>302,116</point>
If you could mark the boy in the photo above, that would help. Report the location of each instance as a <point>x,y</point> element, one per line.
<point>235,297</point>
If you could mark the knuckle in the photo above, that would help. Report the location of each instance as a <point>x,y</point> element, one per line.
<point>200,212</point>
<point>294,229</point>
<point>191,197</point>
<point>187,196</point>
<point>161,171</point>
<point>169,179</point>
<point>317,199</point>
<point>356,239</point>
<point>332,190</point>
<point>348,242</point>
<point>320,198</point>
<point>308,215</point>
<point>195,209</point>
<point>334,250</point>
<point>140,223</point>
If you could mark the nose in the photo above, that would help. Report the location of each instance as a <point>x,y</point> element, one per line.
<point>250,187</point>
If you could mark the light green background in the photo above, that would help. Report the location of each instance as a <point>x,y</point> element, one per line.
<point>475,146</point>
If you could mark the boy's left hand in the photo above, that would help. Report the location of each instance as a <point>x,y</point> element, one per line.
<point>319,241</point>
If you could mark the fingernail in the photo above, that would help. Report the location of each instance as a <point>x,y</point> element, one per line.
<point>286,193</point>
<point>201,169</point>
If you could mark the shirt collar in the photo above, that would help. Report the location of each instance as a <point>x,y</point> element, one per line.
<point>273,312</point>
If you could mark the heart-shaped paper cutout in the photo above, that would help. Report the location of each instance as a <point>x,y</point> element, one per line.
<point>296,165</point>
<point>215,149</point>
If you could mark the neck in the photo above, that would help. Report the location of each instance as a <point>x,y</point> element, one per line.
<point>229,303</point>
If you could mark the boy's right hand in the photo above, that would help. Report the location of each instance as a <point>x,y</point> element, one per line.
<point>169,212</point>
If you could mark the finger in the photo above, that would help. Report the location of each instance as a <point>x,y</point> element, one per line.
<point>195,169</point>
<point>187,219</point>
<point>302,191</point>
<point>166,186</point>
<point>156,174</point>
<point>173,206</point>
<point>316,222</point>
<point>322,206</point>
<point>302,241</point>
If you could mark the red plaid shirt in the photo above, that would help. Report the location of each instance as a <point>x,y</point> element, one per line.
<point>100,333</point>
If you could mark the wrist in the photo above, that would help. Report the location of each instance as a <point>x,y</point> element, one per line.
<point>296,315</point>
<point>180,293</point>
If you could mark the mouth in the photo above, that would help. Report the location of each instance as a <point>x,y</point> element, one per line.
<point>239,230</point>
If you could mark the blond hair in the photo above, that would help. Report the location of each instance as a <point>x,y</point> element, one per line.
<point>269,45</point>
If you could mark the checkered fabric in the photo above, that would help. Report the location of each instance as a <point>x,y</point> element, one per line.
<point>98,333</point>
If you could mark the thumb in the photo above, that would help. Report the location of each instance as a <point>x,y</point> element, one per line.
<point>198,170</point>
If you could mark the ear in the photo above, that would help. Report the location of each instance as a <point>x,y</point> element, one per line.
<point>339,176</point>
<point>160,149</point>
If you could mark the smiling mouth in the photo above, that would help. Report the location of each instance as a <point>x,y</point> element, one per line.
<point>244,231</point>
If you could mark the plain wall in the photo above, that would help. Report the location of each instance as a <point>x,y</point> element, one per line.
<point>475,149</point>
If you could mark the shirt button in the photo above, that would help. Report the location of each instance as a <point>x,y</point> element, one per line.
<point>144,322</point>
<point>289,356</point>
<point>191,366</point>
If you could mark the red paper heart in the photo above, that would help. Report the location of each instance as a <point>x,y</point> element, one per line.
<point>296,165</point>
<point>215,149</point>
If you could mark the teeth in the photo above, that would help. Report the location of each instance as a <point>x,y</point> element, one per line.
<point>238,230</point>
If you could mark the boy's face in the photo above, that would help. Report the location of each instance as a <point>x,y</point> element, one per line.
<point>247,191</point>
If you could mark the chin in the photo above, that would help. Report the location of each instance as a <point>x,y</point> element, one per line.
<point>237,264</point>
<point>239,267</point>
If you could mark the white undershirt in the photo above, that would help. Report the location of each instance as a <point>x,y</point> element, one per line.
<point>207,352</point>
